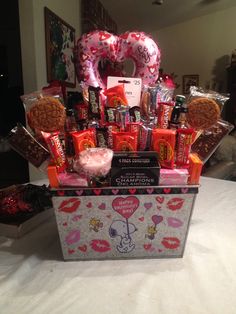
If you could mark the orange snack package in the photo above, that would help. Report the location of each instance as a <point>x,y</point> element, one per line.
<point>195,169</point>
<point>125,141</point>
<point>116,96</point>
<point>163,142</point>
<point>83,140</point>
<point>53,176</point>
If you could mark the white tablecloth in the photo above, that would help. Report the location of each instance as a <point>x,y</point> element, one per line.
<point>35,279</point>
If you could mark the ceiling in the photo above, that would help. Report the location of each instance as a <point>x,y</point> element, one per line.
<point>143,15</point>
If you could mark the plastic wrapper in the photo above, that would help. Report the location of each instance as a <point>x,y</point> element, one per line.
<point>21,202</point>
<point>206,144</point>
<point>94,162</point>
<point>29,100</point>
<point>26,145</point>
<point>197,92</point>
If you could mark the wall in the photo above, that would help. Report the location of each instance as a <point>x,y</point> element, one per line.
<point>200,46</point>
<point>33,42</point>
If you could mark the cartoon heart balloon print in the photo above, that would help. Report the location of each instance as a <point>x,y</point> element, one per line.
<point>96,45</point>
<point>125,206</point>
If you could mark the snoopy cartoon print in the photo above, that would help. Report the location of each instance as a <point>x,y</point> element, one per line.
<point>123,229</point>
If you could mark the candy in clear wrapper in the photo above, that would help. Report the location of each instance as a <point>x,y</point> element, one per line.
<point>26,145</point>
<point>94,163</point>
<point>199,92</point>
<point>145,104</point>
<point>145,137</point>
<point>122,117</point>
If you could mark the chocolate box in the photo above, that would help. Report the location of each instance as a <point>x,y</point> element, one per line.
<point>123,223</point>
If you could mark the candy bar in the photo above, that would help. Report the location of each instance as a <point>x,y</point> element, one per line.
<point>173,177</point>
<point>55,147</point>
<point>125,141</point>
<point>184,142</point>
<point>195,169</point>
<point>163,142</point>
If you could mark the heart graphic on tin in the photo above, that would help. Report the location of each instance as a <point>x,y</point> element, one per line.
<point>125,206</point>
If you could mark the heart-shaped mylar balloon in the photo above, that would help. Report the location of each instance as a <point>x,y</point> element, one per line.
<point>91,48</point>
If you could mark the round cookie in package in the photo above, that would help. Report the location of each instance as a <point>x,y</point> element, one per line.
<point>47,114</point>
<point>202,113</point>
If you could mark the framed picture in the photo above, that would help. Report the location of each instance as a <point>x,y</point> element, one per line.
<point>190,80</point>
<point>60,43</point>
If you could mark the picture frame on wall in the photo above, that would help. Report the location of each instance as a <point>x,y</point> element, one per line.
<point>190,80</point>
<point>60,45</point>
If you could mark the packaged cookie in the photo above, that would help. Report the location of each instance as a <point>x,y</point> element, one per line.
<point>29,100</point>
<point>204,107</point>
<point>202,113</point>
<point>198,92</point>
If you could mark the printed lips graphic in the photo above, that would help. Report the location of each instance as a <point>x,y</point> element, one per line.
<point>70,205</point>
<point>170,242</point>
<point>100,246</point>
<point>175,203</point>
<point>174,222</point>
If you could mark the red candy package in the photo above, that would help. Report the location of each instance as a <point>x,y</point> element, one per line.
<point>83,140</point>
<point>184,142</point>
<point>125,141</point>
<point>116,96</point>
<point>163,114</point>
<point>56,150</point>
<point>163,142</point>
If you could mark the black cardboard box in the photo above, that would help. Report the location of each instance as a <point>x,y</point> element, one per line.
<point>138,176</point>
<point>135,159</point>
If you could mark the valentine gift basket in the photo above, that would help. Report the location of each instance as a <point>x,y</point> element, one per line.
<point>124,155</point>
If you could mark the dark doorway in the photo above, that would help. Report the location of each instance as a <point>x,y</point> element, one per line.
<point>13,168</point>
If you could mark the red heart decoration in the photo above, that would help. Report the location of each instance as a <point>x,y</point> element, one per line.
<point>125,206</point>
<point>135,36</point>
<point>71,251</point>
<point>147,246</point>
<point>167,191</point>
<point>160,199</point>
<point>97,191</point>
<point>141,219</point>
<point>89,205</point>
<point>93,50</point>
<point>103,36</point>
<point>82,248</point>
<point>132,191</point>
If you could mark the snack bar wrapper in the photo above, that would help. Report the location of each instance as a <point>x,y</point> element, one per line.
<point>206,144</point>
<point>26,145</point>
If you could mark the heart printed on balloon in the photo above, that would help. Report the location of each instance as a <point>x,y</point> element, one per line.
<point>91,48</point>
<point>125,206</point>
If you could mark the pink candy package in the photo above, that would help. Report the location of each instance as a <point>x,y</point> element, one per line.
<point>173,177</point>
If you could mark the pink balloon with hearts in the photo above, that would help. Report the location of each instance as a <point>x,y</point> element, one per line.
<point>98,45</point>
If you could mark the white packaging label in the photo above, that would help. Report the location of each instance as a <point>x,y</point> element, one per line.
<point>132,87</point>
